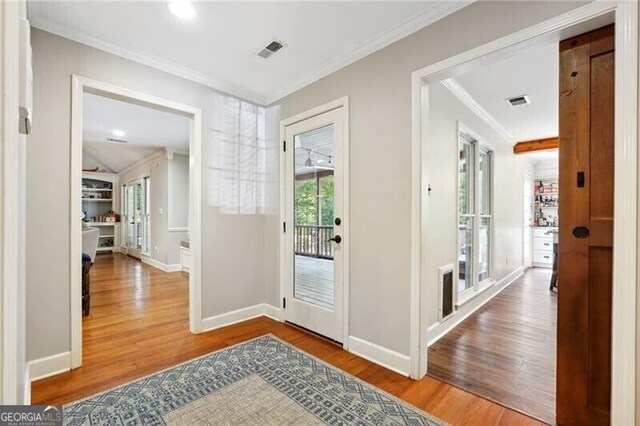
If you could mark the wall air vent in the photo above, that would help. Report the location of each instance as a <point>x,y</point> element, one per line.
<point>116,140</point>
<point>519,100</point>
<point>271,48</point>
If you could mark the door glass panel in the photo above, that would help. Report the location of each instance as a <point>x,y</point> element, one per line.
<point>314,216</point>
<point>465,253</point>
<point>138,202</point>
<point>130,216</point>
<point>484,249</point>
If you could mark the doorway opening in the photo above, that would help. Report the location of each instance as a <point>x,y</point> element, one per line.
<point>138,185</point>
<point>509,255</point>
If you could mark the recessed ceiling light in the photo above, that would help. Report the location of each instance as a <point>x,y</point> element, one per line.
<point>118,133</point>
<point>182,9</point>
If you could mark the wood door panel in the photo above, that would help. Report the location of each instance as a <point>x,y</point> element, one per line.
<point>586,200</point>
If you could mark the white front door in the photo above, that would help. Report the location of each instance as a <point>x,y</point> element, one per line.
<point>314,223</point>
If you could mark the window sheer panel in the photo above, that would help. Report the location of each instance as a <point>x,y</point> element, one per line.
<point>238,164</point>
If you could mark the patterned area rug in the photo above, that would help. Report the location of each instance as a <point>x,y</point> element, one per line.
<point>264,381</point>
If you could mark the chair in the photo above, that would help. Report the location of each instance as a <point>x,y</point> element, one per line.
<point>89,249</point>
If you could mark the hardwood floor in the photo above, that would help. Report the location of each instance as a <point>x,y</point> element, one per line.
<point>506,351</point>
<point>139,325</point>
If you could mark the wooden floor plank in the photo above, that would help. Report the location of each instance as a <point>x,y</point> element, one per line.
<point>117,350</point>
<point>506,350</point>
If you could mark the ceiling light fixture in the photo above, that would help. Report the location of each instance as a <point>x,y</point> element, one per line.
<point>183,9</point>
<point>118,133</point>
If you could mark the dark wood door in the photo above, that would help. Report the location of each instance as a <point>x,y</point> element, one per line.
<point>586,228</point>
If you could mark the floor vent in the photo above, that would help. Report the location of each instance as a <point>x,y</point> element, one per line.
<point>445,307</point>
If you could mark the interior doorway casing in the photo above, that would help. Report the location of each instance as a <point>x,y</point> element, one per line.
<point>79,86</point>
<point>580,20</point>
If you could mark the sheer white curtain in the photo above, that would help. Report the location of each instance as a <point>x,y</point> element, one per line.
<point>237,161</point>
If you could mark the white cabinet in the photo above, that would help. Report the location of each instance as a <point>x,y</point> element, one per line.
<point>99,205</point>
<point>543,247</point>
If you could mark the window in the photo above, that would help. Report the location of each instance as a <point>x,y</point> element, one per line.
<point>475,194</point>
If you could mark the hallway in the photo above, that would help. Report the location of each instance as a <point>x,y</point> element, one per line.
<point>139,325</point>
<point>506,350</point>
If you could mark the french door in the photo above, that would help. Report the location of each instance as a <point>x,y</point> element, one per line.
<point>137,216</point>
<point>314,224</point>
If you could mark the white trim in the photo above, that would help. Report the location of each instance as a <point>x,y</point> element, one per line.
<point>183,229</point>
<point>137,164</point>
<point>240,315</point>
<point>381,41</point>
<point>623,390</point>
<point>174,267</point>
<point>376,43</point>
<point>78,86</point>
<point>11,208</point>
<point>387,358</point>
<point>48,366</point>
<point>273,312</point>
<point>466,308</point>
<point>468,101</point>
<point>329,106</point>
<point>146,59</point>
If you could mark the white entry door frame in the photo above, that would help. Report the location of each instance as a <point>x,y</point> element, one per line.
<point>580,20</point>
<point>327,323</point>
<point>79,86</point>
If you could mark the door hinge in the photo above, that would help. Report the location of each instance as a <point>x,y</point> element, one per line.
<point>284,226</point>
<point>284,303</point>
<point>284,146</point>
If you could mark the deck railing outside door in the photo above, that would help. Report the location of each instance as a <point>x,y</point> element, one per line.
<point>312,241</point>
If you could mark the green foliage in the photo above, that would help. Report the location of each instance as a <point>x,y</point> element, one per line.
<point>306,205</point>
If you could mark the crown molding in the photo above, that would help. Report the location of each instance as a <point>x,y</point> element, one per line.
<point>390,36</point>
<point>381,41</point>
<point>169,67</point>
<point>464,97</point>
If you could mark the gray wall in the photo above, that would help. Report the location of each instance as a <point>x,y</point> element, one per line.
<point>233,273</point>
<point>379,92</point>
<point>440,213</point>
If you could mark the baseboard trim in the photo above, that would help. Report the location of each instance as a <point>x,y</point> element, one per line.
<point>239,315</point>
<point>436,331</point>
<point>380,355</point>
<point>174,267</point>
<point>42,368</point>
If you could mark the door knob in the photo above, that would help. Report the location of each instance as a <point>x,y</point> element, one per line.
<point>580,232</point>
<point>337,239</point>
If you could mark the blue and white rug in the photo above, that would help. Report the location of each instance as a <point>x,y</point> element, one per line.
<point>264,381</point>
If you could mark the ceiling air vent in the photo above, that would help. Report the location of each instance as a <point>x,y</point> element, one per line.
<point>270,49</point>
<point>519,100</point>
<point>116,140</point>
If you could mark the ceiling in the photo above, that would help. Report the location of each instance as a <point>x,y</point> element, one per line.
<point>315,145</point>
<point>219,46</point>
<point>143,126</point>
<point>147,131</point>
<point>533,72</point>
<point>540,157</point>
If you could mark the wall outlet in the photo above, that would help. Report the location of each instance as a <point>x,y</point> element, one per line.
<point>156,249</point>
<point>161,211</point>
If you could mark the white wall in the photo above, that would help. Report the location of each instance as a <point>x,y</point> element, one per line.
<point>379,90</point>
<point>547,169</point>
<point>178,208</point>
<point>233,274</point>
<point>440,161</point>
